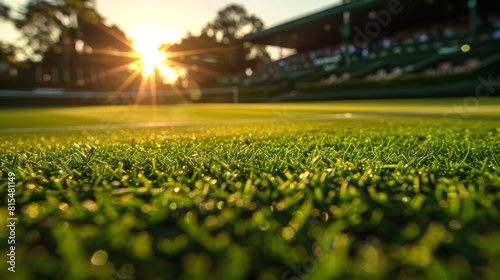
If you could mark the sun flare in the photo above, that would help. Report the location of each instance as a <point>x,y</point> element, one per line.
<point>151,59</point>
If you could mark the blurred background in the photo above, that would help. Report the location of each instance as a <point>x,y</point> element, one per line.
<point>97,52</point>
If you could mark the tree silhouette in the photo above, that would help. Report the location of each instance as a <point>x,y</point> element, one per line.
<point>232,23</point>
<point>6,50</point>
<point>217,51</point>
<point>46,22</point>
<point>4,11</point>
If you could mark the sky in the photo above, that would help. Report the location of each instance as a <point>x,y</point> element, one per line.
<point>170,20</point>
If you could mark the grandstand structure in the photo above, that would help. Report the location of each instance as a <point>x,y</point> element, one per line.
<point>379,48</point>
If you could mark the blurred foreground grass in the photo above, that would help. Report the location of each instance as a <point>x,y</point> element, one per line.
<point>370,198</point>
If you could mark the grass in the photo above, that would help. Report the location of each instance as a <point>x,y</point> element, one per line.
<point>406,197</point>
<point>67,116</point>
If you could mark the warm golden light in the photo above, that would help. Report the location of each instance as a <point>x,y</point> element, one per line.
<point>465,48</point>
<point>147,44</point>
<point>151,58</point>
<point>169,74</point>
<point>150,61</point>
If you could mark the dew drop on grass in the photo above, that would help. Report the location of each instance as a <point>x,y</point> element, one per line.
<point>288,233</point>
<point>100,257</point>
<point>455,224</point>
<point>220,205</point>
<point>280,206</point>
<point>90,205</point>
<point>63,206</point>
<point>31,210</point>
<point>264,225</point>
<point>173,206</point>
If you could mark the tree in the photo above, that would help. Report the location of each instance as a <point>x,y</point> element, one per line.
<point>46,22</point>
<point>6,52</point>
<point>217,51</point>
<point>232,23</point>
<point>4,11</point>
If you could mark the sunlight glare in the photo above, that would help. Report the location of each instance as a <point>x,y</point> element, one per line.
<point>150,56</point>
<point>147,44</point>
<point>169,74</point>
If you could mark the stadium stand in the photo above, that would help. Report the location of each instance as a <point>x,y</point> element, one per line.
<point>422,40</point>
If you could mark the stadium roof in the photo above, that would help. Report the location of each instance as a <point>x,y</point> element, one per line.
<point>324,28</point>
<point>309,30</point>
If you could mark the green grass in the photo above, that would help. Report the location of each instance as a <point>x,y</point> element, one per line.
<point>67,116</point>
<point>368,198</point>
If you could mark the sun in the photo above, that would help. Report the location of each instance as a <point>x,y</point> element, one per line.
<point>150,60</point>
<point>147,44</point>
<point>150,57</point>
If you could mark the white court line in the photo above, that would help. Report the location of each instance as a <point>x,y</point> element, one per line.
<point>172,123</point>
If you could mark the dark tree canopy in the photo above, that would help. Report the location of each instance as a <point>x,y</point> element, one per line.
<point>4,11</point>
<point>6,51</point>
<point>216,52</point>
<point>6,54</point>
<point>232,22</point>
<point>67,22</point>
